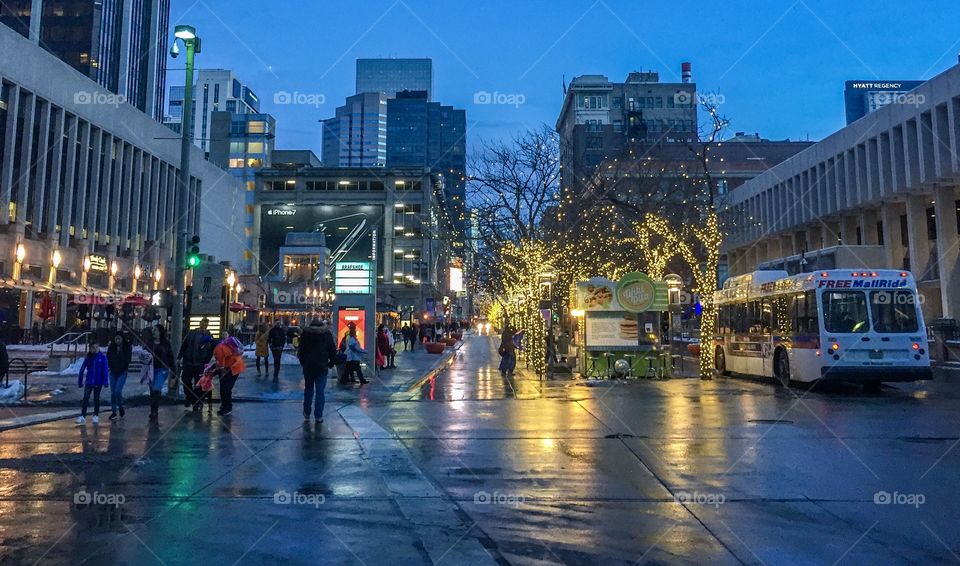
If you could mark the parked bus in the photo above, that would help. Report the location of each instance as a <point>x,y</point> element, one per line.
<point>838,325</point>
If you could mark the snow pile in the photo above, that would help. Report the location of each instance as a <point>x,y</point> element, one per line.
<point>71,370</point>
<point>12,393</point>
<point>287,359</point>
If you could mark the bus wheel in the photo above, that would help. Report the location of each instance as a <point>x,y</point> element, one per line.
<point>781,367</point>
<point>720,362</point>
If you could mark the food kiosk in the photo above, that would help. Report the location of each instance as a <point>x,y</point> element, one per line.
<point>620,326</point>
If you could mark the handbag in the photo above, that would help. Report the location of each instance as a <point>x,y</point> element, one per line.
<point>205,383</point>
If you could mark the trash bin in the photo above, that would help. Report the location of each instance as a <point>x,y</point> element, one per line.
<point>945,330</point>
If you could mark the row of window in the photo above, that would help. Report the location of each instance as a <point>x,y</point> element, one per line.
<point>783,315</point>
<point>347,185</point>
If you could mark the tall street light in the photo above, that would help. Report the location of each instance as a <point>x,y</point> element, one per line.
<point>188,35</point>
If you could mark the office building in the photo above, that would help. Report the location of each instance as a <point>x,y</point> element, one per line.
<point>90,194</point>
<point>243,144</point>
<point>427,134</point>
<point>863,97</point>
<point>879,193</point>
<point>390,76</point>
<point>216,90</point>
<point>120,45</point>
<point>394,217</point>
<point>601,119</point>
<point>357,135</point>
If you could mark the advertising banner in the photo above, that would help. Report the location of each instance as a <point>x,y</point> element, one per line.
<point>358,318</point>
<point>612,330</point>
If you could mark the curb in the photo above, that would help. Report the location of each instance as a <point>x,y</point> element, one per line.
<point>445,360</point>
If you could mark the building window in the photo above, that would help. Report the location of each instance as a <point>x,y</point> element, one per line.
<point>618,125</point>
<point>256,127</point>
<point>236,163</point>
<point>617,102</point>
<point>593,125</point>
<point>255,147</point>
<point>592,102</point>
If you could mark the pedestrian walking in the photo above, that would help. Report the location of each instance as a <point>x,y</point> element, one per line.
<point>277,339</point>
<point>195,352</point>
<point>4,360</point>
<point>163,364</point>
<point>317,354</point>
<point>94,369</point>
<point>262,348</point>
<point>229,357</point>
<point>507,351</point>
<point>392,352</point>
<point>119,356</point>
<point>354,356</point>
<point>405,334</point>
<point>383,347</point>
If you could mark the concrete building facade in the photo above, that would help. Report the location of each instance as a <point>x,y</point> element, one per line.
<point>883,188</point>
<point>87,182</point>
<point>120,45</point>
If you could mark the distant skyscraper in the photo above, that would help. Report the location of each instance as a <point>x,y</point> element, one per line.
<point>390,76</point>
<point>121,45</point>
<point>357,135</point>
<point>863,97</point>
<point>217,90</point>
<point>421,133</point>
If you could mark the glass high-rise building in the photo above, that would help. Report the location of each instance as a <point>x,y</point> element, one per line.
<point>121,44</point>
<point>357,135</point>
<point>390,76</point>
<point>428,134</point>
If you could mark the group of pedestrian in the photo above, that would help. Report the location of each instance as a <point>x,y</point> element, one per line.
<point>386,351</point>
<point>201,361</point>
<point>270,342</point>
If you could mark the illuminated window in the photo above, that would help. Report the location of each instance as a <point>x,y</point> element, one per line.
<point>257,127</point>
<point>255,163</point>
<point>255,147</point>
<point>236,163</point>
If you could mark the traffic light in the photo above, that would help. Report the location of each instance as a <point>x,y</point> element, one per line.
<point>193,253</point>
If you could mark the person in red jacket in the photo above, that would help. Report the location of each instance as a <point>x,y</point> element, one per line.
<point>383,346</point>
<point>229,357</point>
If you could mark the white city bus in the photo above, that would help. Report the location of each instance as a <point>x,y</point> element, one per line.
<point>839,325</point>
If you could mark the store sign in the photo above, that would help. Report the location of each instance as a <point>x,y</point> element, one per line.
<point>634,293</point>
<point>281,212</point>
<point>356,318</point>
<point>612,330</point>
<point>638,293</point>
<point>456,279</point>
<point>98,263</point>
<point>353,278</point>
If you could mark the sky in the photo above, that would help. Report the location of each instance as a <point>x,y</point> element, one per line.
<point>776,66</point>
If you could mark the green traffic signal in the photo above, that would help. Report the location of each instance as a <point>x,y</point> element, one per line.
<point>193,260</point>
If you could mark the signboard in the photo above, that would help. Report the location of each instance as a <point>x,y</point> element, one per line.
<point>612,330</point>
<point>355,317</point>
<point>98,263</point>
<point>635,293</point>
<point>456,279</point>
<point>638,293</point>
<point>353,278</point>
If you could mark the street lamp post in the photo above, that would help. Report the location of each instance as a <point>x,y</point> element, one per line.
<point>188,35</point>
<point>547,278</point>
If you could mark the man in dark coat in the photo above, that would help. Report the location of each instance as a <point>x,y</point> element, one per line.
<point>277,339</point>
<point>195,351</point>
<point>317,354</point>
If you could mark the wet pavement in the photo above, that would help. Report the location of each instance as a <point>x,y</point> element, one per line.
<point>471,467</point>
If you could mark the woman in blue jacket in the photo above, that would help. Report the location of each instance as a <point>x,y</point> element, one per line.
<point>95,370</point>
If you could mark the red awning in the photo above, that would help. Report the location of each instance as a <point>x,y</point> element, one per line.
<point>237,307</point>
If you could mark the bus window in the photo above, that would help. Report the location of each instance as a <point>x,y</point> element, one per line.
<point>805,319</point>
<point>845,311</point>
<point>780,316</point>
<point>894,311</point>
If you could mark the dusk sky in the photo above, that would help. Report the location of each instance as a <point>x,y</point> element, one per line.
<point>778,66</point>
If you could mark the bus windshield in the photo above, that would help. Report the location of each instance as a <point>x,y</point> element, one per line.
<point>894,311</point>
<point>845,311</point>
